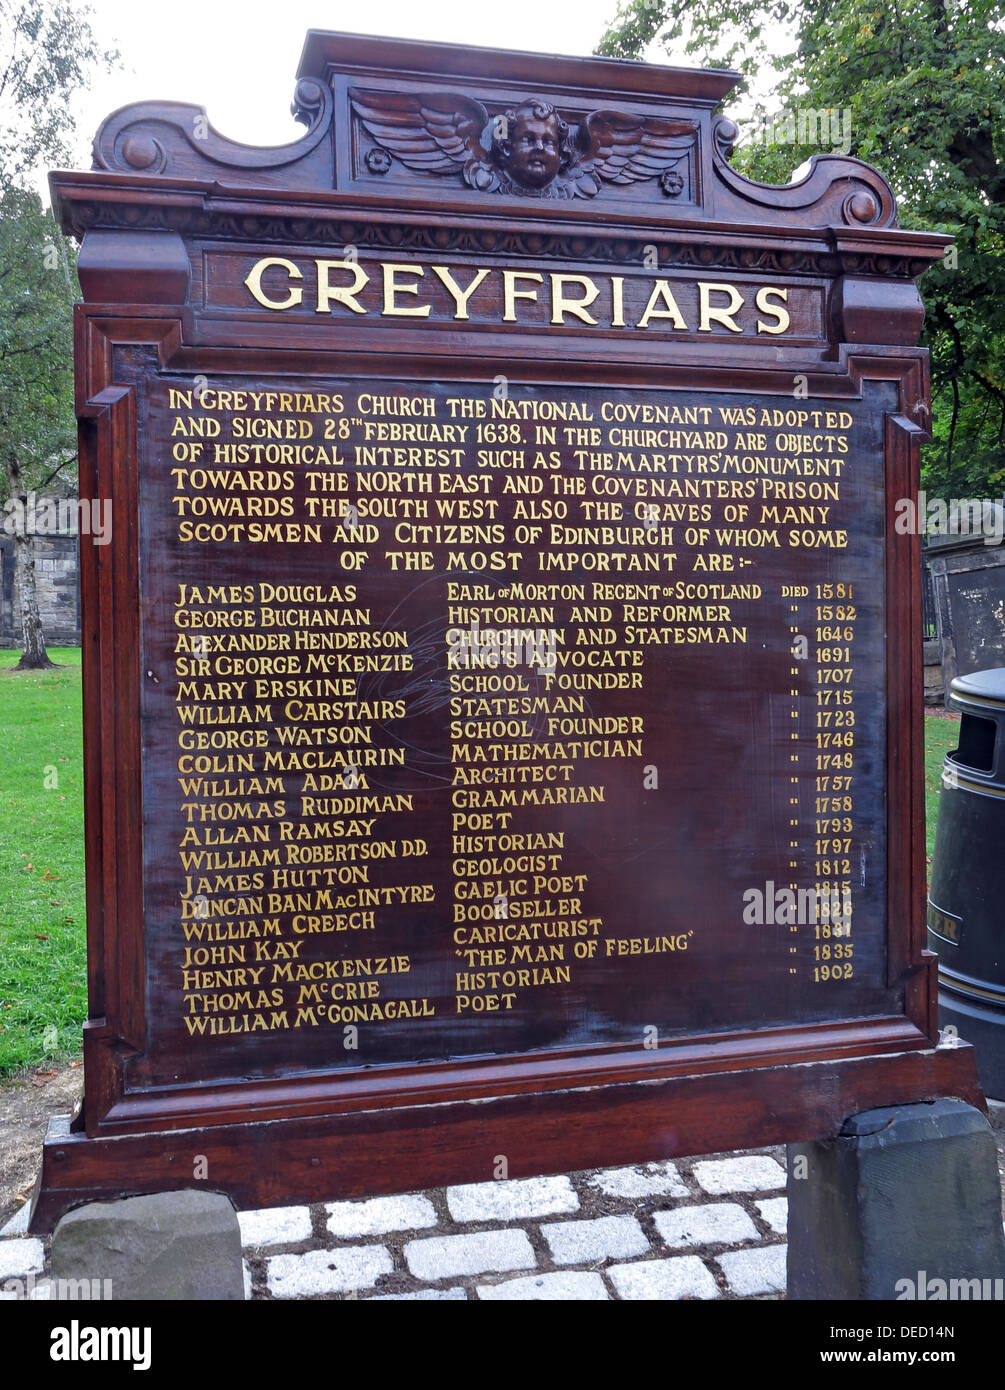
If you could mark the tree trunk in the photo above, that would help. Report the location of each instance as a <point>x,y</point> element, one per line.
<point>34,657</point>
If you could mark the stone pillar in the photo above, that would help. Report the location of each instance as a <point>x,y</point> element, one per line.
<point>906,1196</point>
<point>169,1245</point>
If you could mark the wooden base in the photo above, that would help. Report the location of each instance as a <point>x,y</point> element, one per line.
<point>364,1153</point>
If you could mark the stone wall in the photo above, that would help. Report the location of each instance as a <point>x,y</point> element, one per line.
<point>57,574</point>
<point>934,692</point>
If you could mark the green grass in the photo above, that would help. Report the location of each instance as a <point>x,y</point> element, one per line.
<point>941,737</point>
<point>43,978</point>
<point>43,990</point>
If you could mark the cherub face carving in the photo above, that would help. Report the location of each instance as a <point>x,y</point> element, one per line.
<point>529,150</point>
<point>535,147</point>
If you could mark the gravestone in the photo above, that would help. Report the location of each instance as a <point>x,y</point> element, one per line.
<point>968,584</point>
<point>502,687</point>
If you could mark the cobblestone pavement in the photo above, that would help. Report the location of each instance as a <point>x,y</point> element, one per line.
<point>705,1227</point>
<point>709,1227</point>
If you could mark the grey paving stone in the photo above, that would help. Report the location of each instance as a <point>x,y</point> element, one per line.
<point>755,1271</point>
<point>21,1257</point>
<point>274,1226</point>
<point>706,1225</point>
<point>482,1252</point>
<point>683,1276</point>
<point>775,1211</point>
<point>717,1222</point>
<point>379,1215</point>
<point>604,1237</point>
<point>742,1173</point>
<point>567,1286</point>
<point>452,1295</point>
<point>327,1271</point>
<point>512,1199</point>
<point>18,1224</point>
<point>644,1180</point>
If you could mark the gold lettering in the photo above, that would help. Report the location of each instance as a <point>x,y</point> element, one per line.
<point>392,288</point>
<point>662,294</point>
<point>333,294</point>
<point>460,296</point>
<point>708,313</point>
<point>781,315</point>
<point>561,304</point>
<point>618,298</point>
<point>511,294</point>
<point>254,282</point>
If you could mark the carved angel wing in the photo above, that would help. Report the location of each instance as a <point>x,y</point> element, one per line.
<point>439,133</point>
<point>621,148</point>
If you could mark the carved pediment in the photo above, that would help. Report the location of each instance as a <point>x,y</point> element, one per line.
<point>385,123</point>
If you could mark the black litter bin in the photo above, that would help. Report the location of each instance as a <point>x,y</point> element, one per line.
<point>966,901</point>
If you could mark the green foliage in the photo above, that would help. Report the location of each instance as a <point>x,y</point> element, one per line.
<point>47,51</point>
<point>37,430</point>
<point>924,82</point>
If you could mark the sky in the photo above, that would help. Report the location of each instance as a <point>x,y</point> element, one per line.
<point>239,59</point>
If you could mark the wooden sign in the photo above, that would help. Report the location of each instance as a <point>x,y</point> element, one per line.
<point>503,687</point>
